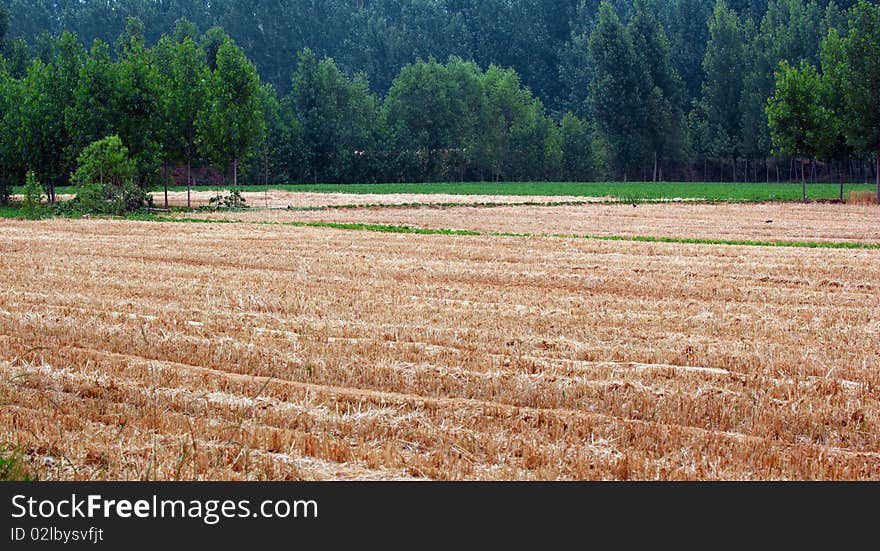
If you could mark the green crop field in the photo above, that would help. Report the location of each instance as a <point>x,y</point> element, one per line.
<point>631,191</point>
<point>619,190</point>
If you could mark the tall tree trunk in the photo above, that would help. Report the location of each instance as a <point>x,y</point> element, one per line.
<point>803,181</point>
<point>165,181</point>
<point>234,182</point>
<point>188,183</point>
<point>840,171</point>
<point>877,175</point>
<point>655,167</point>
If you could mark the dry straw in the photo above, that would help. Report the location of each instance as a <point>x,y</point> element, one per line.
<point>238,351</point>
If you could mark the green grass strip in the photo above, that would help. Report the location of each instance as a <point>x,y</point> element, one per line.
<point>383,228</point>
<point>13,212</point>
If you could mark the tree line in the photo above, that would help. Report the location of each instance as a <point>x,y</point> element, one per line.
<point>197,97</point>
<point>400,90</point>
<point>832,111</point>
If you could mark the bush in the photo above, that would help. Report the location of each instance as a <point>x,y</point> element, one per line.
<point>233,201</point>
<point>104,162</point>
<point>33,198</point>
<point>109,199</point>
<point>105,181</point>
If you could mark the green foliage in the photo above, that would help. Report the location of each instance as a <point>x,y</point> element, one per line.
<point>231,123</point>
<point>834,85</point>
<point>18,57</point>
<point>338,117</point>
<point>685,24</point>
<point>92,114</point>
<point>117,201</point>
<point>213,40</point>
<point>722,89</point>
<point>621,89</point>
<point>13,468</point>
<point>43,136</point>
<point>799,121</point>
<point>33,197</point>
<point>678,81</point>
<point>514,136</point>
<point>790,31</point>
<point>10,123</point>
<point>584,152</point>
<point>231,201</point>
<point>138,102</point>
<point>665,131</point>
<point>104,162</point>
<point>105,181</point>
<point>4,29</point>
<point>432,111</point>
<point>185,77</point>
<point>862,78</point>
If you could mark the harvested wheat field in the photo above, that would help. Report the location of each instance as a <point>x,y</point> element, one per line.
<point>767,222</point>
<point>274,198</point>
<point>135,350</point>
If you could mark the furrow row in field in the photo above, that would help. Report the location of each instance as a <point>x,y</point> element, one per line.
<point>765,222</point>
<point>436,356</point>
<point>551,422</point>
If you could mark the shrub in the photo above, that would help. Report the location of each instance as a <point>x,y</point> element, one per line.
<point>117,201</point>
<point>233,201</point>
<point>105,181</point>
<point>33,197</point>
<point>104,162</point>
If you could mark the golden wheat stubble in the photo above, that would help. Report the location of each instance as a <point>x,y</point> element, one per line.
<point>239,351</point>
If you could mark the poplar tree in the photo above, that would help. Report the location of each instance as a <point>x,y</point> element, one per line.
<point>798,118</point>
<point>863,81</point>
<point>338,115</point>
<point>232,121</point>
<point>834,79</point>
<point>664,131</point>
<point>620,95</point>
<point>722,90</point>
<point>185,93</point>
